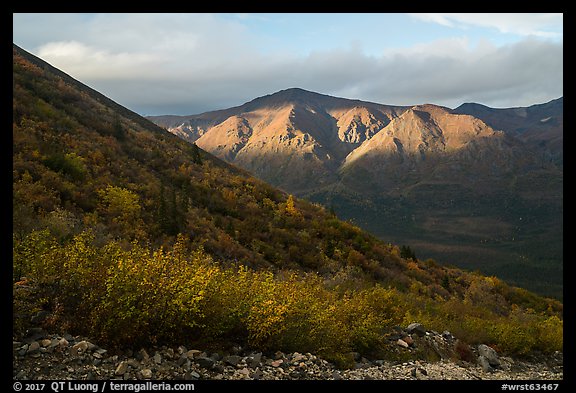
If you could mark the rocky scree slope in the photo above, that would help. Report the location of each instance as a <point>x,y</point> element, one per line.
<point>43,356</point>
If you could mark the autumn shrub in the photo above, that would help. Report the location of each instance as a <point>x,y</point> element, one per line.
<point>367,314</point>
<point>129,294</point>
<point>463,351</point>
<point>550,334</point>
<point>311,321</point>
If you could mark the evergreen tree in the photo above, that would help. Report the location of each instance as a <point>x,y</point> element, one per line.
<point>196,157</point>
<point>407,253</point>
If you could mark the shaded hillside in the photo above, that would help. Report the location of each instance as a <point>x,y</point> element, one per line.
<point>461,192</point>
<point>476,187</point>
<point>540,125</point>
<point>128,234</point>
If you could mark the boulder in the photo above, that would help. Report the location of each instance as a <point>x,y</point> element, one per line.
<point>485,364</point>
<point>447,335</point>
<point>416,328</point>
<point>79,348</point>
<point>254,360</point>
<point>490,355</point>
<point>402,343</point>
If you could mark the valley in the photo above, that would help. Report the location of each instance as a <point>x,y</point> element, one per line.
<point>475,187</point>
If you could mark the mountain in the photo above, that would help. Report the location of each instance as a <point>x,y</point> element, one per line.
<point>294,139</point>
<point>540,124</point>
<point>476,187</point>
<point>124,233</point>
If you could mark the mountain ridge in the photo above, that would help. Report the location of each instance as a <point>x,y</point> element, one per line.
<point>328,148</point>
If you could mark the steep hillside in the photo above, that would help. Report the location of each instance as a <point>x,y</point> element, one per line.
<point>125,233</point>
<point>475,187</point>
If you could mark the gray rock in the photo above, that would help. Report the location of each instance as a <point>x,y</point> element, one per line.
<point>490,355</point>
<point>191,375</point>
<point>257,374</point>
<point>23,349</point>
<point>142,355</point>
<point>297,357</point>
<point>79,348</point>
<point>157,358</point>
<point>121,369</point>
<point>417,328</point>
<point>205,362</point>
<point>485,364</point>
<point>33,347</point>
<point>232,360</point>
<point>133,363</point>
<point>254,360</point>
<point>182,360</point>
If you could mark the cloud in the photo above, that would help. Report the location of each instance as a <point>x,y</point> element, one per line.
<point>191,63</point>
<point>523,73</point>
<point>94,63</point>
<point>525,24</point>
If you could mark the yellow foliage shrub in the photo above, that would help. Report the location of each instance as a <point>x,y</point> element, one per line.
<point>130,294</point>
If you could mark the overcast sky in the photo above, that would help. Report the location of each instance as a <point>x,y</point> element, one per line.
<point>191,63</point>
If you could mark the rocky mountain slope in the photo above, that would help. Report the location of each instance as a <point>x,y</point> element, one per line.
<point>476,187</point>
